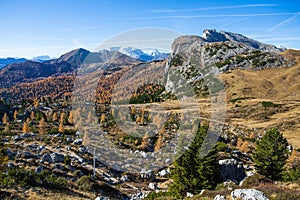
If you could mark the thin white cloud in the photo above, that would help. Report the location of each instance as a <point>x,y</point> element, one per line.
<point>284,22</point>
<point>280,39</point>
<point>212,8</point>
<point>209,16</point>
<point>234,22</point>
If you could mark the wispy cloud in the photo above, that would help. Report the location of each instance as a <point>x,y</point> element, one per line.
<point>234,22</point>
<point>212,8</point>
<point>280,39</point>
<point>284,22</point>
<point>209,16</point>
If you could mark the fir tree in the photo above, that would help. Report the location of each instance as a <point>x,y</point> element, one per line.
<point>193,172</point>
<point>271,154</point>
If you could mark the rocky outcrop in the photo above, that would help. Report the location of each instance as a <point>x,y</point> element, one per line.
<point>232,170</point>
<point>147,175</point>
<point>220,197</point>
<point>246,194</point>
<point>57,158</point>
<point>46,158</point>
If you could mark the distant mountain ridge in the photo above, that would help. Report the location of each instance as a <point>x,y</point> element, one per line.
<point>66,64</point>
<point>7,61</point>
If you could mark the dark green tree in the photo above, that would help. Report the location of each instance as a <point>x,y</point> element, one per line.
<point>271,154</point>
<point>193,172</point>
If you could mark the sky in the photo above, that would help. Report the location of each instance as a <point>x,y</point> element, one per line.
<point>53,27</point>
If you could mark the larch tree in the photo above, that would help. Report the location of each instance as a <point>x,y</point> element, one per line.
<point>54,117</point>
<point>5,119</point>
<point>61,123</point>
<point>159,142</point>
<point>145,142</point>
<point>26,128</point>
<point>16,115</point>
<point>32,115</point>
<point>42,126</point>
<point>71,119</point>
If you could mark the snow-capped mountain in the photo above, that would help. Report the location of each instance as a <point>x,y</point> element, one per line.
<point>147,54</point>
<point>42,58</point>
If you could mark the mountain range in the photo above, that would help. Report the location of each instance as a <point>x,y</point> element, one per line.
<point>224,49</point>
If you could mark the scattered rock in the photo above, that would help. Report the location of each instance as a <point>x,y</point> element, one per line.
<point>28,135</point>
<point>246,194</point>
<point>17,138</point>
<point>5,140</point>
<point>152,186</point>
<point>10,154</point>
<point>69,140</point>
<point>82,150</point>
<point>10,165</point>
<point>124,178</point>
<point>189,194</point>
<point>164,172</point>
<point>147,175</point>
<point>220,197</point>
<point>46,158</point>
<point>140,195</point>
<point>78,142</point>
<point>102,198</point>
<point>39,169</point>
<point>57,157</point>
<point>28,154</point>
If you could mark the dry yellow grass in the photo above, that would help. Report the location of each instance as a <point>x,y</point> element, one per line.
<point>280,85</point>
<point>273,84</point>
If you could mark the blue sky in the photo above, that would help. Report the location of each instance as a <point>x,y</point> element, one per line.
<point>31,28</point>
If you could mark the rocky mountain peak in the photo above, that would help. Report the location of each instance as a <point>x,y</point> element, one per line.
<point>211,35</point>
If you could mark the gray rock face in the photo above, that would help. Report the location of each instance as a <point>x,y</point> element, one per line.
<point>10,154</point>
<point>251,42</point>
<point>78,142</point>
<point>147,175</point>
<point>46,158</point>
<point>39,169</point>
<point>232,170</point>
<point>213,36</point>
<point>164,172</point>
<point>246,194</point>
<point>57,158</point>
<point>152,186</point>
<point>10,165</point>
<point>124,178</point>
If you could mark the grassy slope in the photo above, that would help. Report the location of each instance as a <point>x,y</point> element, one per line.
<point>280,85</point>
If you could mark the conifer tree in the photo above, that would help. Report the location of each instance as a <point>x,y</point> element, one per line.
<point>193,172</point>
<point>271,154</point>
